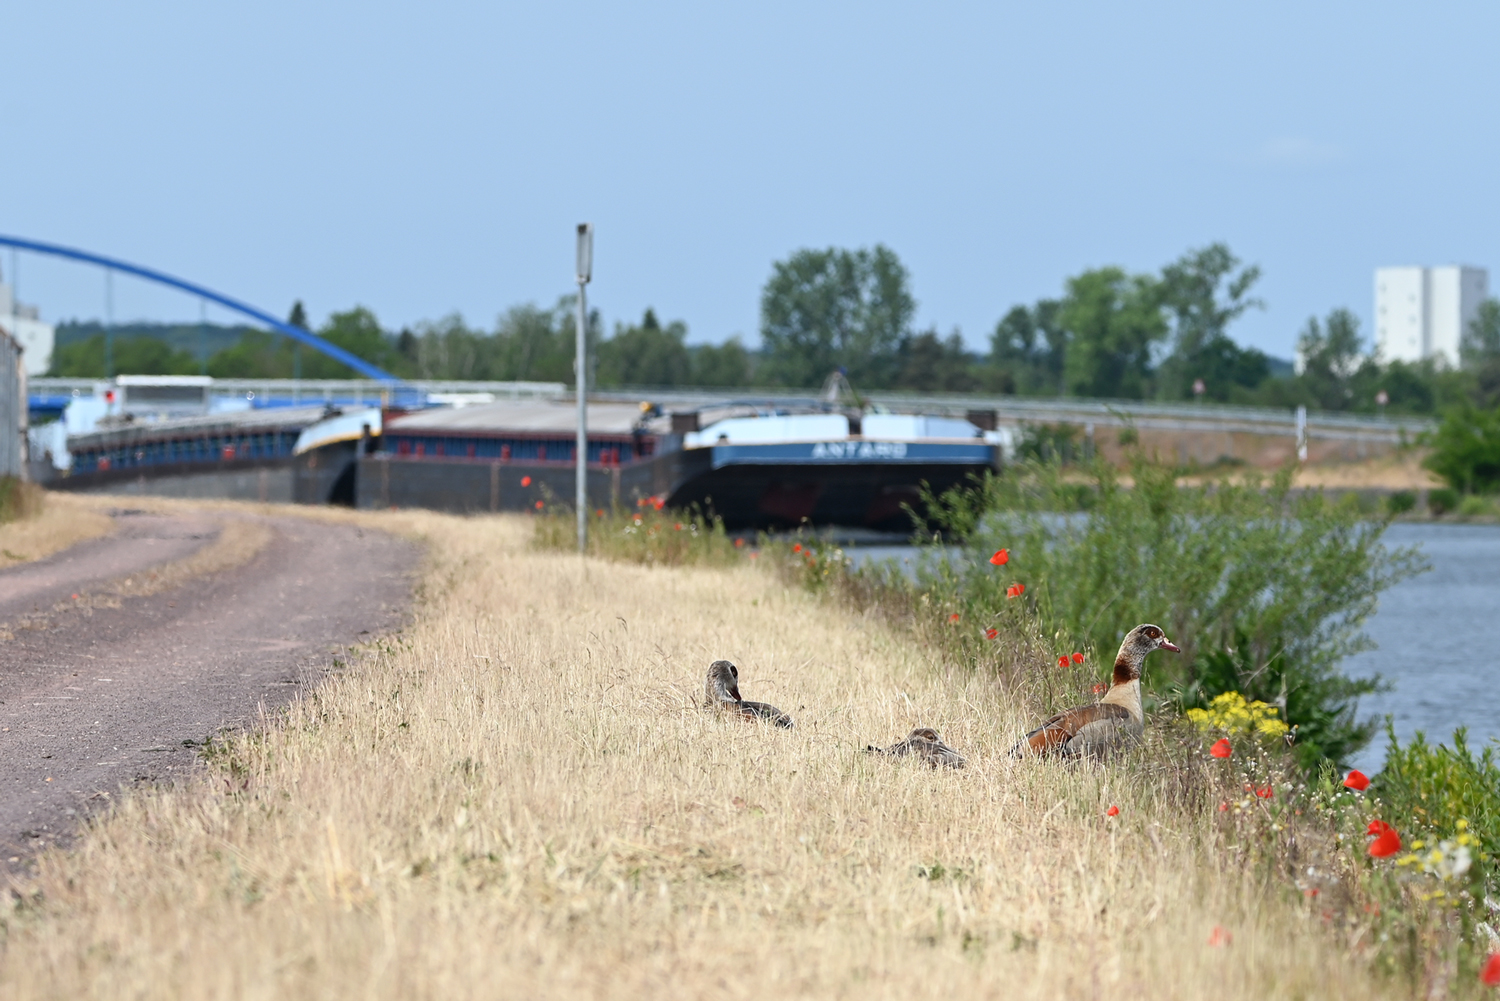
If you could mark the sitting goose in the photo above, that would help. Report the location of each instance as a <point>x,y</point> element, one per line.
<point>926,744</point>
<point>722,689</point>
<point>1116,720</point>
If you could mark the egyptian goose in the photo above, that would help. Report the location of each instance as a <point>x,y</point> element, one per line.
<point>925,743</point>
<point>722,690</point>
<point>1116,720</point>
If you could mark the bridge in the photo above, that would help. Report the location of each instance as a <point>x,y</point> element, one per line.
<point>312,340</point>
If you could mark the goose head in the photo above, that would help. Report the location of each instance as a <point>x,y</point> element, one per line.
<point>722,683</point>
<point>1139,642</point>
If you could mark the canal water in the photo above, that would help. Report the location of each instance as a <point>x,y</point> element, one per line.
<point>1437,637</point>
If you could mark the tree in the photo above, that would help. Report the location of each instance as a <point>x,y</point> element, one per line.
<point>1466,449</point>
<point>1113,320</point>
<point>298,317</point>
<point>646,355</point>
<point>726,364</point>
<point>133,356</point>
<point>928,363</point>
<point>1028,349</point>
<point>826,309</point>
<point>1203,294</point>
<point>1330,357</point>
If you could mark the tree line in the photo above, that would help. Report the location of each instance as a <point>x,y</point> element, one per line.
<point>1109,334</point>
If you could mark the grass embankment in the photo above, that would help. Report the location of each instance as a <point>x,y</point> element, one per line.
<point>35,524</point>
<point>520,796</point>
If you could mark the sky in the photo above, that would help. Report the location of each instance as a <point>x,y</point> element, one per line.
<point>422,159</point>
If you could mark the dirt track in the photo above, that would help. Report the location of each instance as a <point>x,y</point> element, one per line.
<point>95,697</point>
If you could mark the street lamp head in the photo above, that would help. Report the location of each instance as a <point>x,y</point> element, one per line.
<point>585,252</point>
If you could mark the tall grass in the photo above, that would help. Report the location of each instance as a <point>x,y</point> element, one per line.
<point>520,795</point>
<point>1265,590</point>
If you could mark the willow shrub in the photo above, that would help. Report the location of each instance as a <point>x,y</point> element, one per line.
<point>1264,589</point>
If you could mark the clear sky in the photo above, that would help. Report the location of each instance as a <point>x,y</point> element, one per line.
<point>426,158</point>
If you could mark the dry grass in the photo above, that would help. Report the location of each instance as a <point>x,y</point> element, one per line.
<point>62,520</point>
<point>520,797</point>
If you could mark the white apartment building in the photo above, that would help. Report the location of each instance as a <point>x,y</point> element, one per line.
<point>25,326</point>
<point>1424,312</point>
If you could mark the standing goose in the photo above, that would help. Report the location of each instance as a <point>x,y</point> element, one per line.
<point>1116,720</point>
<point>925,743</point>
<point>722,690</point>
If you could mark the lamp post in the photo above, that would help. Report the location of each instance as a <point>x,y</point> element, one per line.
<point>581,378</point>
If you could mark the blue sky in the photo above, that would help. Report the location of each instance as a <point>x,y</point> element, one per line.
<point>426,158</point>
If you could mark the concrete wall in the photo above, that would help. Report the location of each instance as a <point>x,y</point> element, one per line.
<point>12,407</point>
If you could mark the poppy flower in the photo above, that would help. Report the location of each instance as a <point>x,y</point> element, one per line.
<point>538,505</point>
<point>1265,793</point>
<point>1490,975</point>
<point>990,634</point>
<point>1219,937</point>
<point>1062,662</point>
<point>1386,844</point>
<point>677,527</point>
<point>659,503</point>
<point>1221,748</point>
<point>1224,806</point>
<point>1378,827</point>
<point>1113,811</point>
<point>599,513</point>
<point>797,548</point>
<point>1357,780</point>
<point>739,543</point>
<point>1078,658</point>
<point>1099,689</point>
<point>953,617</point>
<point>1001,557</point>
<point>525,481</point>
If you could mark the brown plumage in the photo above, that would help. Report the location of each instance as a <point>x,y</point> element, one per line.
<point>721,690</point>
<point>925,743</point>
<point>1116,721</point>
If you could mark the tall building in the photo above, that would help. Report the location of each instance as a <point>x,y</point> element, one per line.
<point>25,325</point>
<point>1424,312</point>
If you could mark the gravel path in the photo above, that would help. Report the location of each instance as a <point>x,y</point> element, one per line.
<point>93,698</point>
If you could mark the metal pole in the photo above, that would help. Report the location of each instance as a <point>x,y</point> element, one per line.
<point>581,381</point>
<point>109,323</point>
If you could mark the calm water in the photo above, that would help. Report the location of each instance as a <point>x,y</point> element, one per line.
<point>1438,637</point>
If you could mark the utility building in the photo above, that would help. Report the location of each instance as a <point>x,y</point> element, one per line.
<point>24,324</point>
<point>1425,312</point>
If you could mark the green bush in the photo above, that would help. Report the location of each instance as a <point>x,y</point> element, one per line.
<point>1474,507</point>
<point>1441,500</point>
<point>1401,502</point>
<point>1264,591</point>
<point>1466,449</point>
<point>1428,789</point>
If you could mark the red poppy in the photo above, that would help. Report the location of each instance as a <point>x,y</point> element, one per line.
<point>1265,793</point>
<point>1357,780</point>
<point>1099,689</point>
<point>1386,844</point>
<point>990,634</point>
<point>797,548</point>
<point>538,505</point>
<point>1378,827</point>
<point>677,527</point>
<point>1078,658</point>
<point>1001,557</point>
<point>1113,811</point>
<point>739,543</point>
<point>658,502</point>
<point>599,513</point>
<point>1219,937</point>
<point>525,481</point>
<point>1062,662</point>
<point>1010,592</point>
<point>1490,975</point>
<point>1224,806</point>
<point>1221,748</point>
<point>75,597</point>
<point>1020,590</point>
<point>953,617</point>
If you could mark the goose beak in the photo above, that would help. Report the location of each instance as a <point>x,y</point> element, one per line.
<point>1167,644</point>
